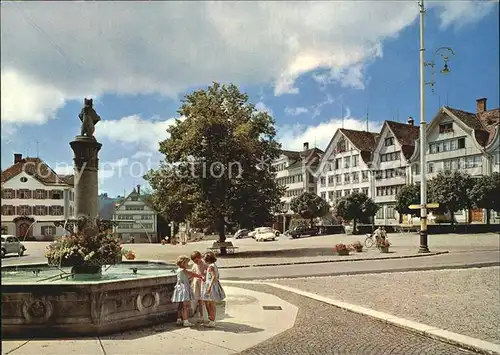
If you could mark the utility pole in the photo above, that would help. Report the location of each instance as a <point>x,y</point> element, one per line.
<point>424,248</point>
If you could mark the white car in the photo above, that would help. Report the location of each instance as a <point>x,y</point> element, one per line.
<point>12,245</point>
<point>264,233</point>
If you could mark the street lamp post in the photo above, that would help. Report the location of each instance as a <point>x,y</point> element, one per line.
<point>424,248</point>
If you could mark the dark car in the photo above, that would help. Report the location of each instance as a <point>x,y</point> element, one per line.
<point>241,233</point>
<point>297,232</point>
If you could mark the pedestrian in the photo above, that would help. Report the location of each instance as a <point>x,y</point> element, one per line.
<point>183,294</point>
<point>200,268</point>
<point>212,290</point>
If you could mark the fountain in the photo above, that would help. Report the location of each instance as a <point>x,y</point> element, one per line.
<point>85,288</point>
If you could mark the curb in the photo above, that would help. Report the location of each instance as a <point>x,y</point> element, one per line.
<point>333,261</point>
<point>462,341</point>
<point>369,272</point>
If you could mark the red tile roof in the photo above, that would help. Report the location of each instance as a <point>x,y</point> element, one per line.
<point>37,168</point>
<point>406,136</point>
<point>364,141</point>
<point>483,123</point>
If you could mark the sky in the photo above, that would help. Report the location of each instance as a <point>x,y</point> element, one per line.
<point>314,66</point>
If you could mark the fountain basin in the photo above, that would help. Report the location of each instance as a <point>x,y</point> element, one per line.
<point>43,301</point>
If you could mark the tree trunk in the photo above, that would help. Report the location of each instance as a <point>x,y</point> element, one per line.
<point>488,215</point>
<point>354,226</point>
<point>311,222</point>
<point>222,236</point>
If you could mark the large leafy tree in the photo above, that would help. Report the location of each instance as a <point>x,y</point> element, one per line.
<point>217,161</point>
<point>408,195</point>
<point>485,193</point>
<point>451,191</point>
<point>309,206</point>
<point>355,207</point>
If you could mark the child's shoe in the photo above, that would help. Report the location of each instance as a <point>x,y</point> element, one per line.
<point>187,323</point>
<point>179,321</point>
<point>210,324</point>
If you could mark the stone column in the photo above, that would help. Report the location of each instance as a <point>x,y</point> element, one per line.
<point>86,150</point>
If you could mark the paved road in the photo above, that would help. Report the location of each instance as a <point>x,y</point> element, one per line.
<point>321,329</point>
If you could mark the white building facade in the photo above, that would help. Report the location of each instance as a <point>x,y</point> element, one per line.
<point>136,218</point>
<point>33,197</point>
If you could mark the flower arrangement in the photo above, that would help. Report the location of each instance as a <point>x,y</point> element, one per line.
<point>383,243</point>
<point>80,250</point>
<point>128,254</point>
<point>341,249</point>
<point>357,246</point>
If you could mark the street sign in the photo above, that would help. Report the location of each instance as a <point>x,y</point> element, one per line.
<point>429,205</point>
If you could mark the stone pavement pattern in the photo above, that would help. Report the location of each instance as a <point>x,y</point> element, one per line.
<point>321,329</point>
<point>461,301</point>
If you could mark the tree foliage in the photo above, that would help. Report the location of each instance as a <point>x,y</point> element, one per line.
<point>355,207</point>
<point>408,195</point>
<point>451,191</point>
<point>485,193</point>
<point>217,162</point>
<point>309,206</point>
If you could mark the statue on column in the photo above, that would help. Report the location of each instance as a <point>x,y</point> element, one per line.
<point>89,118</point>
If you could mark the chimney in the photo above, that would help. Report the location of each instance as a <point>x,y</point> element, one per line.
<point>481,105</point>
<point>138,189</point>
<point>17,158</point>
<point>306,146</point>
<point>411,121</point>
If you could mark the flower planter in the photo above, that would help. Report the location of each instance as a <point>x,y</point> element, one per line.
<point>86,269</point>
<point>359,250</point>
<point>343,252</point>
<point>384,250</point>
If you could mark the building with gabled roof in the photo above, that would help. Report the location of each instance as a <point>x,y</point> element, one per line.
<point>136,218</point>
<point>33,197</point>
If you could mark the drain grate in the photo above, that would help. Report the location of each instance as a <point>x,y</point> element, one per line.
<point>272,308</point>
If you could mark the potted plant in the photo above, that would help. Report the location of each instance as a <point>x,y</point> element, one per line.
<point>357,246</point>
<point>341,249</point>
<point>128,254</point>
<point>383,245</point>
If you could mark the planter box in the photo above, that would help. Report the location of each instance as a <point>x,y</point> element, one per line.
<point>384,250</point>
<point>343,252</point>
<point>359,250</point>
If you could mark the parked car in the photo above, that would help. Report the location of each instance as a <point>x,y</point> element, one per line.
<point>12,245</point>
<point>277,232</point>
<point>241,233</point>
<point>297,232</point>
<point>264,233</point>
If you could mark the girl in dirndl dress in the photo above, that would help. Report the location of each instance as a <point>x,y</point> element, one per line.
<point>212,290</point>
<point>183,294</point>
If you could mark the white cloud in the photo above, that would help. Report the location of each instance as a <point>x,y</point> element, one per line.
<point>462,13</point>
<point>293,137</point>
<point>295,111</point>
<point>107,169</point>
<point>70,49</point>
<point>134,130</point>
<point>260,106</point>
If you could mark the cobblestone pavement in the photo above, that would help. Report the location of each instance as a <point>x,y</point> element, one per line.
<point>321,329</point>
<point>461,301</point>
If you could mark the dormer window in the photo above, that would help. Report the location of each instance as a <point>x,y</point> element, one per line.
<point>446,127</point>
<point>389,141</point>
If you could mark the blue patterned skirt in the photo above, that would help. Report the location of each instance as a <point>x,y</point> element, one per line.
<point>182,293</point>
<point>216,293</point>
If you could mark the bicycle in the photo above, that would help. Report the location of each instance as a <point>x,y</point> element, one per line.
<point>371,240</point>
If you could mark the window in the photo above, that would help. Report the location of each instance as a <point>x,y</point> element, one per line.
<point>337,163</point>
<point>355,177</point>
<point>347,162</point>
<point>364,176</point>
<point>147,217</point>
<point>24,194</point>
<point>347,192</point>
<point>355,191</point>
<point>461,143</point>
<point>24,210</point>
<point>330,180</point>
<point>40,194</point>
<point>48,230</point>
<point>389,141</point>
<point>323,181</point>
<point>323,195</point>
<point>330,195</point>
<point>126,226</point>
<point>8,210</point>
<point>24,179</point>
<point>447,165</point>
<point>390,156</point>
<point>56,210</point>
<point>347,178</point>
<point>338,193</point>
<point>56,195</point>
<point>8,194</point>
<point>40,210</point>
<point>415,169</point>
<point>365,190</point>
<point>391,212</point>
<point>446,127</point>
<point>380,213</point>
<point>430,168</point>
<point>148,225</point>
<point>355,161</point>
<point>338,179</point>
<point>134,208</point>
